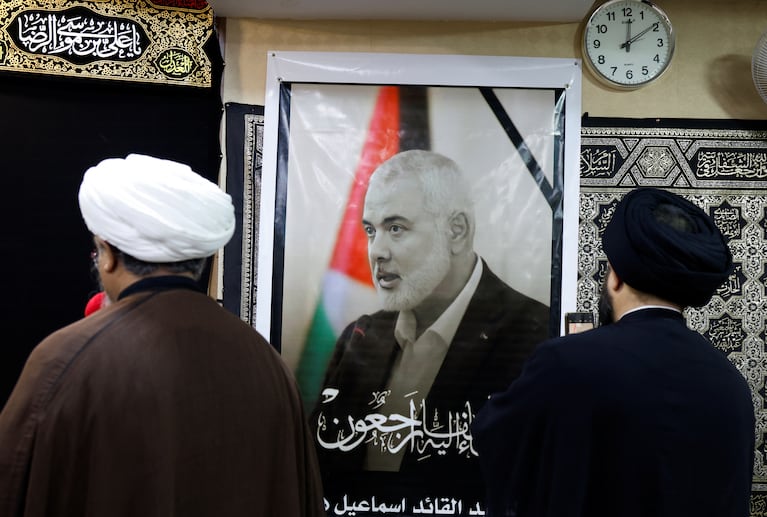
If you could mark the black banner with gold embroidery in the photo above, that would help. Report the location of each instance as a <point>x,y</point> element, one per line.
<point>139,40</point>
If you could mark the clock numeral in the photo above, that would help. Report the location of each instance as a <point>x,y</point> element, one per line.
<point>611,16</point>
<point>596,43</point>
<point>641,15</point>
<point>629,74</point>
<point>655,26</point>
<point>656,58</point>
<point>601,28</point>
<point>614,69</point>
<point>660,42</point>
<point>627,12</point>
<point>645,71</point>
<point>601,59</point>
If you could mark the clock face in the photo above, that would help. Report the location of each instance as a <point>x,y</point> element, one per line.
<point>628,43</point>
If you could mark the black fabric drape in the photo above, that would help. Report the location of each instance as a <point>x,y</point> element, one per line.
<point>52,130</point>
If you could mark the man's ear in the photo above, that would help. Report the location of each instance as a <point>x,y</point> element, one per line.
<point>107,256</point>
<point>614,282</point>
<point>459,232</point>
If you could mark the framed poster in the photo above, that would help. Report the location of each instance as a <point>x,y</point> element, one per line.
<point>418,238</point>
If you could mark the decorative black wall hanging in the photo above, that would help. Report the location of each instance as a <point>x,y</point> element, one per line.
<point>720,166</point>
<point>155,42</point>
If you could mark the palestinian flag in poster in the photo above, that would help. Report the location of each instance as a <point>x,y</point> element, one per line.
<point>398,122</point>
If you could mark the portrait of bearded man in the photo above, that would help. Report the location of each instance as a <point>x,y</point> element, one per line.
<point>449,334</point>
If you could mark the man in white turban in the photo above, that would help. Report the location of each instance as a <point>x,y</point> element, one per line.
<point>161,403</point>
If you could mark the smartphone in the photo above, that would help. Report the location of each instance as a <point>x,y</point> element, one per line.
<point>578,322</point>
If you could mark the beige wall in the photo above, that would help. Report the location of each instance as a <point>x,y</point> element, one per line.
<point>710,76</point>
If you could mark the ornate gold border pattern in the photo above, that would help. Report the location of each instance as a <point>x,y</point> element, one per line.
<point>132,40</point>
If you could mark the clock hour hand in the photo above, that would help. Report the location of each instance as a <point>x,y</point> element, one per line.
<point>639,35</point>
<point>628,35</point>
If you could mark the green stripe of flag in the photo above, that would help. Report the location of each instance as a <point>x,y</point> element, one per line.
<point>319,347</point>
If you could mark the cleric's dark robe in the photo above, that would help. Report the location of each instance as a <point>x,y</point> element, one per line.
<point>643,417</point>
<point>160,404</point>
<point>496,334</point>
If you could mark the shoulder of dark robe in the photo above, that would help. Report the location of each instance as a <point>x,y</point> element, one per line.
<point>162,403</point>
<point>641,417</point>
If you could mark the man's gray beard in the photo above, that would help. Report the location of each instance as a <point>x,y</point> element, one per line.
<point>97,276</point>
<point>420,283</point>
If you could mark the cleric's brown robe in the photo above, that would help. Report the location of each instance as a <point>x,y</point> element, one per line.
<point>161,404</point>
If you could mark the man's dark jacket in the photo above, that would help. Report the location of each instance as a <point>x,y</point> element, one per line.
<point>497,333</point>
<point>643,417</point>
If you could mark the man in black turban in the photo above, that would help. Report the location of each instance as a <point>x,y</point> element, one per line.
<point>639,417</point>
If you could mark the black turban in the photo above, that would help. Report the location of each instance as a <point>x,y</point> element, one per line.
<point>683,266</point>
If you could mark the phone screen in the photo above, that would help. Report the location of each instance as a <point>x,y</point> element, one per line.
<point>578,322</point>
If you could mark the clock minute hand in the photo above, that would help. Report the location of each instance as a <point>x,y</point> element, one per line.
<point>639,35</point>
<point>628,36</point>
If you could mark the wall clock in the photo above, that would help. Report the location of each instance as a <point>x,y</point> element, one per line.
<point>628,43</point>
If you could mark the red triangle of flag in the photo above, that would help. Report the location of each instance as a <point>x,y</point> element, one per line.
<point>382,142</point>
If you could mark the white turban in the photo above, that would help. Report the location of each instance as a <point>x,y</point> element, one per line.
<point>155,210</point>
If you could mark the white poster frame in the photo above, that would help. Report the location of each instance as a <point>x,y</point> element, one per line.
<point>418,69</point>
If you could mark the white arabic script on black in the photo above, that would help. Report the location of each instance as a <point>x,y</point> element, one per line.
<point>59,33</point>
<point>394,432</point>
<point>427,506</point>
<point>739,163</point>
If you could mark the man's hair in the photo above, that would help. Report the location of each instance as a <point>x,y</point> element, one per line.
<point>141,268</point>
<point>442,183</point>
